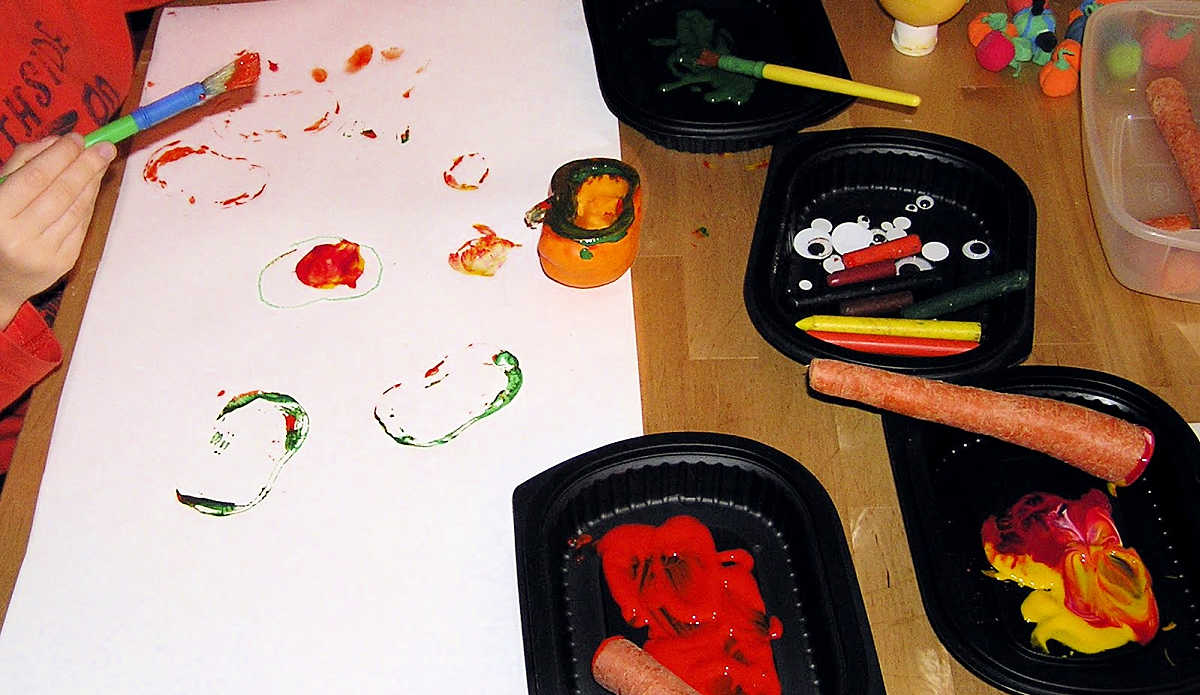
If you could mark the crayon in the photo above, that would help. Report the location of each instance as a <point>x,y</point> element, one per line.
<point>926,280</point>
<point>862,273</point>
<point>968,295</point>
<point>896,344</point>
<point>876,305</point>
<point>907,245</point>
<point>913,328</point>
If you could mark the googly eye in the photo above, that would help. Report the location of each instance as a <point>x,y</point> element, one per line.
<point>878,236</point>
<point>976,249</point>
<point>833,264</point>
<point>902,223</point>
<point>935,251</point>
<point>805,284</point>
<point>911,207</point>
<point>864,220</point>
<point>850,236</point>
<point>924,202</point>
<point>821,225</point>
<point>811,243</point>
<point>911,264</point>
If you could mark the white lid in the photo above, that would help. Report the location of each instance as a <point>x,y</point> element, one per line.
<point>914,41</point>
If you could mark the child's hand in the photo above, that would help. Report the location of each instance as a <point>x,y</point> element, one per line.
<point>46,205</point>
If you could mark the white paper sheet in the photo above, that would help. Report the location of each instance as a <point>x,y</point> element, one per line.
<point>370,567</point>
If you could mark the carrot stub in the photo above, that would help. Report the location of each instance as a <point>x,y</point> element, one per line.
<point>1168,100</point>
<point>1100,444</point>
<point>624,668</point>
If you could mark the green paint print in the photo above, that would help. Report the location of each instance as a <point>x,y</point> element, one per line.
<point>255,434</point>
<point>319,269</point>
<point>695,32</point>
<point>436,404</point>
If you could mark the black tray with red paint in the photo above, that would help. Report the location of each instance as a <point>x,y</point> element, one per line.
<point>949,481</point>
<point>948,191</point>
<point>749,495</point>
<point>632,67</point>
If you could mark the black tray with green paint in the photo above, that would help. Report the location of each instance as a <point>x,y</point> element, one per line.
<point>749,495</point>
<point>950,481</point>
<point>630,45</point>
<point>949,191</point>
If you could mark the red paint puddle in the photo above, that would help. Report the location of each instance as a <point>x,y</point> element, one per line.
<point>481,256</point>
<point>705,617</point>
<point>360,58</point>
<point>319,75</point>
<point>328,265</point>
<point>477,179</point>
<point>392,52</point>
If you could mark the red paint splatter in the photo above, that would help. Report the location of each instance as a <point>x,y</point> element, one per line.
<point>220,393</point>
<point>319,75</point>
<point>245,71</point>
<point>423,68</point>
<point>407,93</point>
<point>758,165</point>
<point>453,182</point>
<point>368,133</point>
<point>328,265</point>
<point>149,83</point>
<point>191,200</point>
<point>272,66</point>
<point>360,58</point>
<point>171,152</point>
<point>242,198</point>
<point>434,369</point>
<point>579,541</point>
<point>707,164</point>
<point>320,124</point>
<point>706,618</point>
<point>405,135</point>
<point>392,52</point>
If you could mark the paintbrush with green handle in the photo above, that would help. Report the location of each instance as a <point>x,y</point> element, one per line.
<point>242,72</point>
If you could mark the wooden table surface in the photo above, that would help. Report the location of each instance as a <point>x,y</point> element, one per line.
<point>704,367</point>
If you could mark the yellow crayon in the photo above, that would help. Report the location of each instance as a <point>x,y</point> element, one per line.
<point>912,328</point>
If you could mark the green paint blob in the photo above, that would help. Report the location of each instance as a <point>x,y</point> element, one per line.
<point>695,32</point>
<point>586,254</point>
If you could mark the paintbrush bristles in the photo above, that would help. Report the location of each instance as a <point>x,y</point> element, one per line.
<point>242,72</point>
<point>707,59</point>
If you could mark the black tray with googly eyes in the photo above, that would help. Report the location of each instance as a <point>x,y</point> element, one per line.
<point>930,215</point>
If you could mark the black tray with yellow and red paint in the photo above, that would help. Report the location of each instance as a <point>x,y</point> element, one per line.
<point>631,46</point>
<point>950,481</point>
<point>749,495</point>
<point>894,182</point>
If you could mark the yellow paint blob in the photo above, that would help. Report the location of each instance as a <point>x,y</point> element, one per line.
<point>599,201</point>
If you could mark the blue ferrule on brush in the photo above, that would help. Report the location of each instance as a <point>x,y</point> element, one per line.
<point>161,110</point>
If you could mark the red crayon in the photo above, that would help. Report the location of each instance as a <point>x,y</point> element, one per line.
<point>896,344</point>
<point>863,273</point>
<point>887,251</point>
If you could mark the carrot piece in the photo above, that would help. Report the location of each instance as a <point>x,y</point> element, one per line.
<point>623,668</point>
<point>1178,222</point>
<point>1100,444</point>
<point>1172,113</point>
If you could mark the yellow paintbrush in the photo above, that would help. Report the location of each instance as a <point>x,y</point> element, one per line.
<point>804,78</point>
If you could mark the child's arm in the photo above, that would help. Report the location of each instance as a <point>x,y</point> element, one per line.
<point>46,204</point>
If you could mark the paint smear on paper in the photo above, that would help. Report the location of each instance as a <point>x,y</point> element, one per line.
<point>200,173</point>
<point>319,75</point>
<point>254,436</point>
<point>360,58</point>
<point>323,268</point>
<point>483,255</point>
<point>435,403</point>
<point>467,172</point>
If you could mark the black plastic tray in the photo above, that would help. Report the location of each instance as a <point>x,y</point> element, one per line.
<point>880,173</point>
<point>631,71</point>
<point>751,496</point>
<point>949,481</point>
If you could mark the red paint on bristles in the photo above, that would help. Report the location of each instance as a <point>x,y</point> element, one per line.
<point>246,70</point>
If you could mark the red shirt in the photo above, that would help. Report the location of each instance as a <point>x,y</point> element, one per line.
<point>64,65</point>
